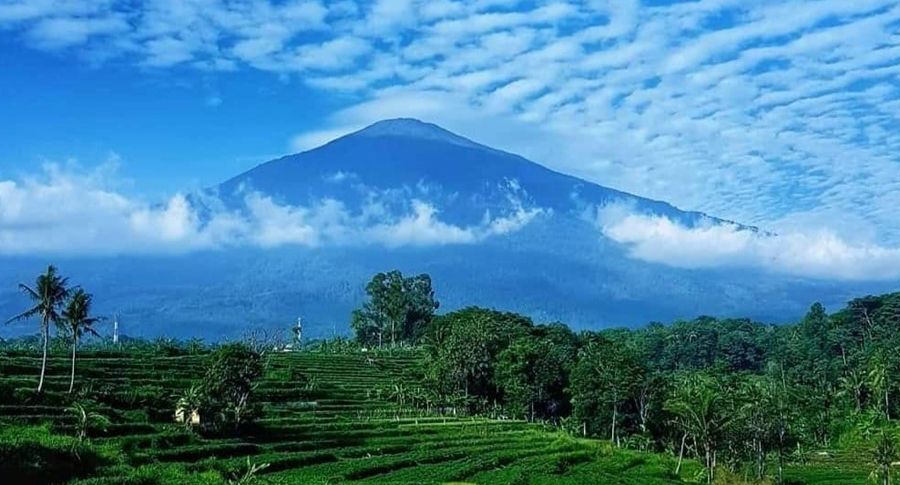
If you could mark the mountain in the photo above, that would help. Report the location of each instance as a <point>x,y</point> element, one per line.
<point>464,177</point>
<point>492,228</point>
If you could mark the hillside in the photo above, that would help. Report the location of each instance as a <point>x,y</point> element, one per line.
<point>492,229</point>
<point>328,418</point>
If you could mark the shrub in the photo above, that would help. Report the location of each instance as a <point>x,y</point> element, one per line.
<point>157,474</point>
<point>30,454</point>
<point>228,386</point>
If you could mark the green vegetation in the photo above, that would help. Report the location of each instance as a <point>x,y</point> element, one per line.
<point>398,310</point>
<point>470,396</point>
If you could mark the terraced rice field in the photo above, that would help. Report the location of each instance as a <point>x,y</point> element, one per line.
<point>324,421</point>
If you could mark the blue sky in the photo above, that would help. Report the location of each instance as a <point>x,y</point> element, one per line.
<point>782,114</point>
<point>59,107</point>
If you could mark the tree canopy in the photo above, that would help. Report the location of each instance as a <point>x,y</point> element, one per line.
<point>397,309</point>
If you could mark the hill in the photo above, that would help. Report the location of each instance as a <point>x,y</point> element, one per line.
<point>328,418</point>
<point>492,229</point>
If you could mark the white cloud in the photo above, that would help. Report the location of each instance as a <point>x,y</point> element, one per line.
<point>816,254</point>
<point>753,111</point>
<point>68,210</point>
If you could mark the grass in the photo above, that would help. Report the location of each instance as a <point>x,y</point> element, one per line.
<point>322,422</point>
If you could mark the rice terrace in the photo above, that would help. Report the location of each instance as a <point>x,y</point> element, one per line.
<point>470,396</point>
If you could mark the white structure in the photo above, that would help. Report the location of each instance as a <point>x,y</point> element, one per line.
<point>116,329</point>
<point>180,416</point>
<point>298,332</point>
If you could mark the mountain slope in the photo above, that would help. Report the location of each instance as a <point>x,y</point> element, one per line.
<point>498,231</point>
<point>462,176</point>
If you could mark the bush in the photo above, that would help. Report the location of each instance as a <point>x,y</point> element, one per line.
<point>157,474</point>
<point>30,454</point>
<point>228,387</point>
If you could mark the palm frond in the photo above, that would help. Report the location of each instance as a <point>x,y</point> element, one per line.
<point>28,291</point>
<point>25,315</point>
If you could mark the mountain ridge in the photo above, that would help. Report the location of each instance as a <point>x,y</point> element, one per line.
<point>558,267</point>
<point>392,132</point>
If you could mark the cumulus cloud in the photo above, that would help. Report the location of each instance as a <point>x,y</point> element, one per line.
<point>67,210</point>
<point>713,244</point>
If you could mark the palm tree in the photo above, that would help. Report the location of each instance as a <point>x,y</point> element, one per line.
<point>77,319</point>
<point>701,410</point>
<point>86,420</point>
<point>883,455</point>
<point>49,294</point>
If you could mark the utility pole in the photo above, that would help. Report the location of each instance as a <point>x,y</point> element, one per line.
<point>116,329</point>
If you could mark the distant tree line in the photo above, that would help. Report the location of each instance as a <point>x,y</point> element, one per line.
<point>731,393</point>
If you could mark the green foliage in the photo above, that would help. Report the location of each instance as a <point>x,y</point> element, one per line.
<point>77,320</point>
<point>604,379</point>
<point>86,420</point>
<point>884,454</point>
<point>727,400</point>
<point>397,311</point>
<point>463,348</point>
<point>249,475</point>
<point>48,296</point>
<point>228,387</point>
<point>532,373</point>
<point>35,455</point>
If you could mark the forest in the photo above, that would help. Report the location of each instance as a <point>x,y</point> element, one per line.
<point>414,393</point>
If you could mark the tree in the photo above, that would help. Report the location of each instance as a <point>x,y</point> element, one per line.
<point>884,454</point>
<point>78,320</point>
<point>604,380</point>
<point>398,309</point>
<point>532,374</point>
<point>48,295</point>
<point>85,420</point>
<point>702,410</point>
<point>766,411</point>
<point>229,383</point>
<point>463,350</point>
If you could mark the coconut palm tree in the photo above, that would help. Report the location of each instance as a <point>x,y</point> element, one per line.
<point>701,410</point>
<point>48,295</point>
<point>78,320</point>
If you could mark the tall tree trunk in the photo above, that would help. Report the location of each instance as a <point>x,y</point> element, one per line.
<point>760,459</point>
<point>615,415</point>
<point>74,345</point>
<point>680,454</point>
<point>781,454</point>
<point>708,462</point>
<point>45,334</point>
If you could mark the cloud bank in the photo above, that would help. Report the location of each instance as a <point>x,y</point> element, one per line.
<point>710,244</point>
<point>71,211</point>
<point>758,112</point>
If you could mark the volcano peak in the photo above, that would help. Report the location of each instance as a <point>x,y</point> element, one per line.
<point>413,128</point>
